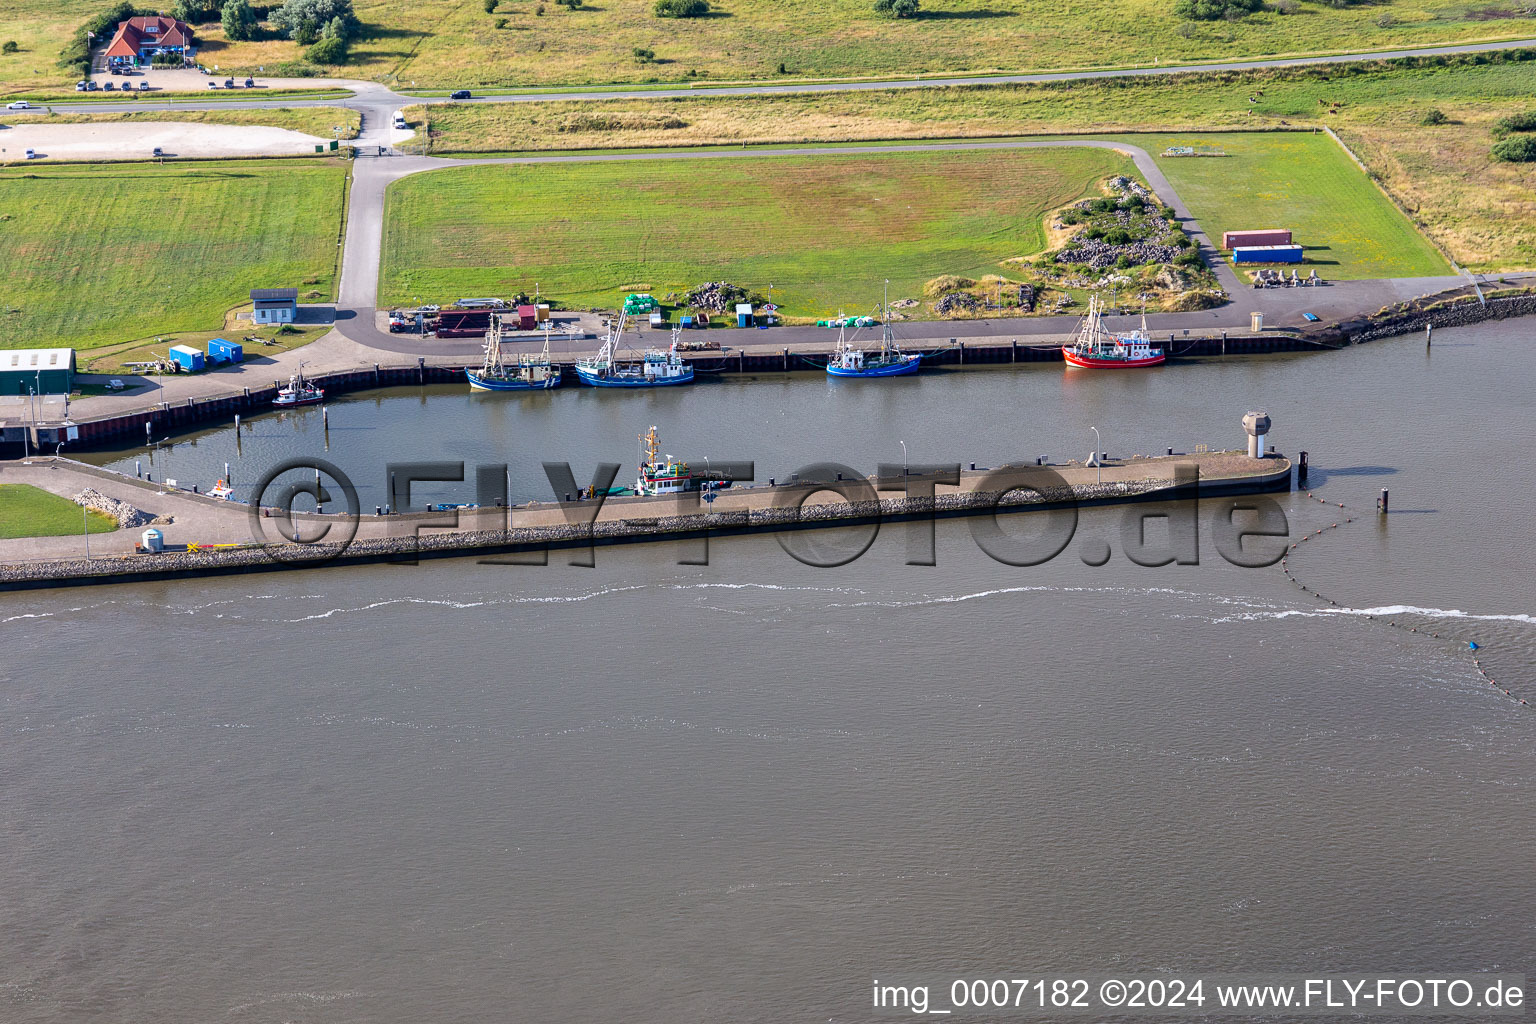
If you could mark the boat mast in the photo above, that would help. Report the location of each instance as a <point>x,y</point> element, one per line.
<point>885,323</point>
<point>493,367</point>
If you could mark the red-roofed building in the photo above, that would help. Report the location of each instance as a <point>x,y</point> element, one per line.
<point>137,40</point>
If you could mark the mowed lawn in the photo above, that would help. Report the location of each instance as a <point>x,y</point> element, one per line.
<point>825,232</point>
<point>99,254</point>
<point>1305,182</point>
<point>27,511</point>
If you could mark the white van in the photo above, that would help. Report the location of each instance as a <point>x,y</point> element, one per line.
<point>400,119</point>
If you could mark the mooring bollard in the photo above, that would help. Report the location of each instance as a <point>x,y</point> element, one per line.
<point>1427,329</point>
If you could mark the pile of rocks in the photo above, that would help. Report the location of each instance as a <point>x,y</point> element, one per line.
<point>1100,255</point>
<point>715,297</point>
<point>956,302</point>
<point>1131,187</point>
<point>126,515</point>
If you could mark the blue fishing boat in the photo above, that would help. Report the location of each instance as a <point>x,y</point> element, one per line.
<point>655,368</point>
<point>852,361</point>
<point>532,373</point>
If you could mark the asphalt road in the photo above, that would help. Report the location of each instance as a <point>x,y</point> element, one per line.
<point>370,95</point>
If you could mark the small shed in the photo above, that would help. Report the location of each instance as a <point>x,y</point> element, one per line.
<point>275,305</point>
<point>45,371</point>
<point>222,350</point>
<point>744,314</point>
<point>152,540</point>
<point>187,357</point>
<point>541,311</point>
<point>527,318</point>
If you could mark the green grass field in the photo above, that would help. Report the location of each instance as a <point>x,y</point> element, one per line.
<point>452,43</point>
<point>1304,182</point>
<point>1483,212</point>
<point>27,511</point>
<point>104,254</point>
<point>825,232</point>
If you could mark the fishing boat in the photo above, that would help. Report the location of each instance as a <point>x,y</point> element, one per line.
<point>851,361</point>
<point>298,392</point>
<point>660,474</point>
<point>222,491</point>
<point>655,369</point>
<point>1098,348</point>
<point>532,372</point>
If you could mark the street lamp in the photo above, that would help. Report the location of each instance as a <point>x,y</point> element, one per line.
<point>904,470</point>
<point>1098,465</point>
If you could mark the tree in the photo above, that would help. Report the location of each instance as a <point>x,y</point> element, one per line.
<point>303,20</point>
<point>897,8</point>
<point>195,12</point>
<point>681,8</point>
<point>1434,115</point>
<point>239,20</point>
<point>490,6</point>
<point>645,55</point>
<point>11,46</point>
<point>1214,10</point>
<point>329,50</point>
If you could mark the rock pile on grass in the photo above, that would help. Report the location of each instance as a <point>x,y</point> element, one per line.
<point>716,297</point>
<point>126,516</point>
<point>956,302</point>
<point>1100,255</point>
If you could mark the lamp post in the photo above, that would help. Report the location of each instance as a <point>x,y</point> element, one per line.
<point>26,435</point>
<point>1098,465</point>
<point>904,470</point>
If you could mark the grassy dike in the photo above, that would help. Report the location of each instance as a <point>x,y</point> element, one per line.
<point>1482,212</point>
<point>99,254</point>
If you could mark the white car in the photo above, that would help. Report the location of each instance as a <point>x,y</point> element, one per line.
<point>431,309</point>
<point>19,105</point>
<point>115,385</point>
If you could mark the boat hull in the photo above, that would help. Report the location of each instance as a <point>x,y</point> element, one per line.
<point>626,380</point>
<point>1090,363</point>
<point>480,383</point>
<point>910,364</point>
<point>289,404</point>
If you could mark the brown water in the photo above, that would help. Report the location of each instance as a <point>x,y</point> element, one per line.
<point>456,792</point>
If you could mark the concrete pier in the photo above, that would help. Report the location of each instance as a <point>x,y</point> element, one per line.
<point>207,536</point>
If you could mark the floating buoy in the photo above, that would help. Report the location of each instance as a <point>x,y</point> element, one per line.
<point>1472,644</point>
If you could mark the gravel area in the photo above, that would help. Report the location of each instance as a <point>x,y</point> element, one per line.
<point>137,141</point>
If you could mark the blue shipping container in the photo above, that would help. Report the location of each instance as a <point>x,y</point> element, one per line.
<point>187,358</point>
<point>221,350</point>
<point>1267,254</point>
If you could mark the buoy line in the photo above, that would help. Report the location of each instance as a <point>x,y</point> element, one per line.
<point>1469,645</point>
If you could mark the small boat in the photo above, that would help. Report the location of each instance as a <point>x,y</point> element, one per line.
<point>1099,348</point>
<point>889,361</point>
<point>298,392</point>
<point>660,474</point>
<point>532,373</point>
<point>222,491</point>
<point>656,369</point>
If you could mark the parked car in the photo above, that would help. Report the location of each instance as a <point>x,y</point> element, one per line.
<point>250,83</point>
<point>80,86</point>
<point>460,94</point>
<point>91,86</point>
<point>19,105</point>
<point>110,87</point>
<point>115,385</point>
<point>213,85</point>
<point>229,83</point>
<point>143,87</point>
<point>159,151</point>
<point>31,154</point>
<point>431,308</point>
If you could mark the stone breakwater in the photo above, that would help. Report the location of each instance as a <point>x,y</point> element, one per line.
<point>126,516</point>
<point>780,516</point>
<point>1413,317</point>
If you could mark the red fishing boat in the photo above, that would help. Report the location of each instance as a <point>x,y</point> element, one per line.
<point>1098,348</point>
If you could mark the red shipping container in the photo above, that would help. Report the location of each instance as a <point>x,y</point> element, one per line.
<point>1269,236</point>
<point>528,318</point>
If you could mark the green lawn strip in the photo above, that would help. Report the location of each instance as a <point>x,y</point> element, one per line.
<point>27,511</point>
<point>826,232</point>
<point>100,254</point>
<point>1303,181</point>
